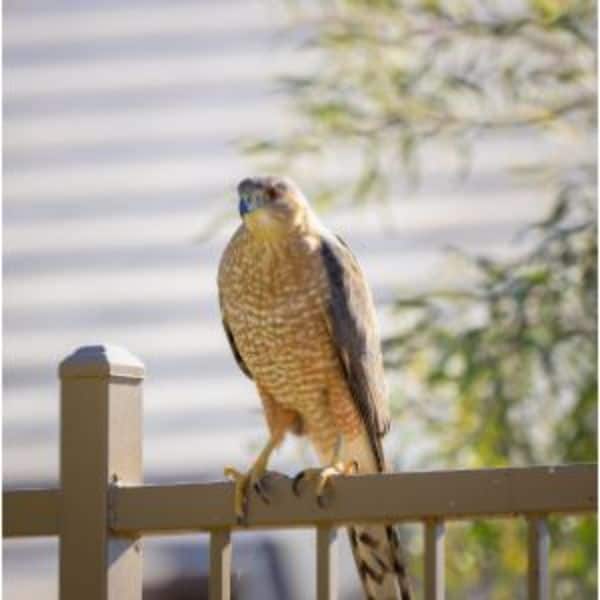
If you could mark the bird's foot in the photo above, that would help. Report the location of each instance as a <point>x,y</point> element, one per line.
<point>244,482</point>
<point>323,477</point>
<point>254,478</point>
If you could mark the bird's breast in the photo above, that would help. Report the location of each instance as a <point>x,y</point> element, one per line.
<point>274,305</point>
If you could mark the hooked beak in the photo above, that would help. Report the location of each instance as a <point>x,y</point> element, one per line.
<point>249,204</point>
<point>244,207</point>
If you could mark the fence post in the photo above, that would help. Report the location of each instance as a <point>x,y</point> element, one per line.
<point>100,444</point>
<point>326,562</point>
<point>434,559</point>
<point>220,565</point>
<point>538,570</point>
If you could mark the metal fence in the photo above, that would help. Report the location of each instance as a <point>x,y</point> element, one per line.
<point>102,508</point>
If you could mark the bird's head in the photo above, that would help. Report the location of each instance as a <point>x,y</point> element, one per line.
<point>272,207</point>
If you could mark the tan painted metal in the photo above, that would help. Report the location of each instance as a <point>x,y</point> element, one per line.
<point>447,495</point>
<point>434,559</point>
<point>220,565</point>
<point>30,512</point>
<point>101,443</point>
<point>201,507</point>
<point>102,508</point>
<point>326,563</point>
<point>538,571</point>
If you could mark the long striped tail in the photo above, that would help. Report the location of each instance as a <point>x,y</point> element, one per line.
<point>376,549</point>
<point>379,562</point>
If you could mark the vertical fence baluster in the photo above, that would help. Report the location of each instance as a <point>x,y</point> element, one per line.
<point>434,559</point>
<point>220,564</point>
<point>538,576</point>
<point>100,443</point>
<point>326,563</point>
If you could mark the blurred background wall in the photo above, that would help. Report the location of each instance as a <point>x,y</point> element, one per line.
<point>121,122</point>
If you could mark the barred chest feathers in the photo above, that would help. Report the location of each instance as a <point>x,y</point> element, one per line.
<point>275,307</point>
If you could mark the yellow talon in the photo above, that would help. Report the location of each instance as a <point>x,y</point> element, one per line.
<point>323,476</point>
<point>241,481</point>
<point>341,468</point>
<point>245,481</point>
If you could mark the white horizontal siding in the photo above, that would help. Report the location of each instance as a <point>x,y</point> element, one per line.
<point>120,131</point>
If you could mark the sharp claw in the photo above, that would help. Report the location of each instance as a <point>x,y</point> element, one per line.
<point>321,501</point>
<point>324,477</point>
<point>242,517</point>
<point>296,482</point>
<point>259,488</point>
<point>255,478</point>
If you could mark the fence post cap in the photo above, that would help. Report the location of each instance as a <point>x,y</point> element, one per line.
<point>101,360</point>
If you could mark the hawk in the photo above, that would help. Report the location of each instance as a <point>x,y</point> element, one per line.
<point>301,323</point>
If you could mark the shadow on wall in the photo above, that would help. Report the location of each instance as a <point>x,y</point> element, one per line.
<point>188,587</point>
<point>258,570</point>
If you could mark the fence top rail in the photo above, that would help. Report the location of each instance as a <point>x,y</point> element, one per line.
<point>391,497</point>
<point>30,512</point>
<point>415,496</point>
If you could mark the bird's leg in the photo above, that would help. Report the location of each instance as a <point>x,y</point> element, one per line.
<point>243,481</point>
<point>323,475</point>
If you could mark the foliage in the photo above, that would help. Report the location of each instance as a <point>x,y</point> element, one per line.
<point>391,77</point>
<point>516,346</point>
<point>501,370</point>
